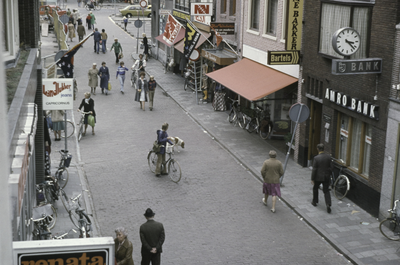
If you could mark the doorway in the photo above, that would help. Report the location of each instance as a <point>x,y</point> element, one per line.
<point>315,129</point>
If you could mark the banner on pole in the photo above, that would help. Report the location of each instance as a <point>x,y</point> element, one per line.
<point>58,94</point>
<point>190,40</point>
<point>171,30</point>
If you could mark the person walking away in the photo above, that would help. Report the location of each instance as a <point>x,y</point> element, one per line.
<point>117,49</point>
<point>152,236</point>
<point>57,119</point>
<point>79,3</point>
<point>123,247</point>
<point>121,75</point>
<point>104,78</point>
<point>139,64</point>
<point>97,39</point>
<point>71,31</point>
<point>71,19</point>
<point>81,32</point>
<point>75,15</point>
<point>321,173</point>
<point>104,40</point>
<point>88,105</point>
<point>68,12</point>
<point>125,20</point>
<point>162,139</point>
<point>271,172</point>
<point>142,89</point>
<point>145,46</point>
<point>152,84</point>
<point>92,19</point>
<point>93,78</point>
<point>89,22</point>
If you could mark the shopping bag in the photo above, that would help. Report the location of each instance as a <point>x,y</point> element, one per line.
<point>109,86</point>
<point>121,55</point>
<point>91,120</point>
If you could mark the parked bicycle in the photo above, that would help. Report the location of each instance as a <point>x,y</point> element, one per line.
<point>79,218</point>
<point>81,125</point>
<point>70,126</point>
<point>340,183</point>
<point>187,74</point>
<point>390,227</point>
<point>45,196</point>
<point>94,6</point>
<point>174,169</point>
<point>169,64</point>
<point>235,116</point>
<point>62,174</point>
<point>42,218</point>
<point>261,124</point>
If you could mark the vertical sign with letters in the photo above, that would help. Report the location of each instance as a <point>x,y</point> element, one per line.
<point>294,24</point>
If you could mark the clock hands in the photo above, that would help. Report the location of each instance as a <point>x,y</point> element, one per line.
<point>350,43</point>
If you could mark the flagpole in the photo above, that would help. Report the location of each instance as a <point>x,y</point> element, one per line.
<point>191,24</point>
<point>229,46</point>
<point>80,43</point>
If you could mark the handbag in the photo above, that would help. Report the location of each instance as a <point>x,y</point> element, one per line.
<point>120,56</point>
<point>156,147</point>
<point>91,120</point>
<point>100,41</point>
<point>141,46</point>
<point>139,90</point>
<point>109,86</point>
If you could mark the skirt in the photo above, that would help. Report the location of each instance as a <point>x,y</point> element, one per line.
<point>272,189</point>
<point>143,95</point>
<point>58,126</point>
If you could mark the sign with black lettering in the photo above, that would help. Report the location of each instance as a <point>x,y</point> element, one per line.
<point>224,28</point>
<point>283,57</point>
<point>78,257</point>
<point>294,25</point>
<point>354,104</point>
<point>359,66</point>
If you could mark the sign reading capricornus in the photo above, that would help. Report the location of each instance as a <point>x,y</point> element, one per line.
<point>58,94</point>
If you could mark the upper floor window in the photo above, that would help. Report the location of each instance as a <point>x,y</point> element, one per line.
<point>272,17</point>
<point>336,16</point>
<point>232,7</point>
<point>255,14</point>
<point>223,6</point>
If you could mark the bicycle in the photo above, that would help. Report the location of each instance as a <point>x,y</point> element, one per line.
<point>70,128</point>
<point>235,116</point>
<point>62,174</point>
<point>42,219</point>
<point>260,124</point>
<point>340,184</point>
<point>187,74</point>
<point>169,64</point>
<point>174,169</point>
<point>45,196</point>
<point>95,6</point>
<point>80,220</point>
<point>81,124</point>
<point>390,227</point>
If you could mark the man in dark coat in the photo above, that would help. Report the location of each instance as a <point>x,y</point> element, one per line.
<point>97,39</point>
<point>152,236</point>
<point>321,173</point>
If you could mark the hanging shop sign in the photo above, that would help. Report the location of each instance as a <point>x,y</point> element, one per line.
<point>180,15</point>
<point>283,57</point>
<point>201,9</point>
<point>58,94</point>
<point>223,28</point>
<point>294,25</point>
<point>357,105</point>
<point>359,66</point>
<point>202,19</point>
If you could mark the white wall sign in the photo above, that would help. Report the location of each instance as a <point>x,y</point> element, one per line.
<point>202,19</point>
<point>58,94</point>
<point>201,9</point>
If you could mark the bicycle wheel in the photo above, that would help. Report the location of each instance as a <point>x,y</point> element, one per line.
<point>390,229</point>
<point>98,7</point>
<point>174,171</point>
<point>62,177</point>
<point>80,132</point>
<point>240,120</point>
<point>185,85</point>
<point>232,116</point>
<point>341,186</point>
<point>65,200</point>
<point>252,125</point>
<point>70,129</point>
<point>152,159</point>
<point>87,7</point>
<point>54,216</point>
<point>265,131</point>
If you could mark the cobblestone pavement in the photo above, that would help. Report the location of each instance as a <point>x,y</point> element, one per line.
<point>214,215</point>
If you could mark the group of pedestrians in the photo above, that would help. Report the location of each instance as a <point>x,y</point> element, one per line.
<point>152,237</point>
<point>100,39</point>
<point>272,171</point>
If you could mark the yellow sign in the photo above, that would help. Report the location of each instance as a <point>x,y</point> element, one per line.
<point>180,15</point>
<point>294,25</point>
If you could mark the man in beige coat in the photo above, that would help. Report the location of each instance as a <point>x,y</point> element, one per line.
<point>93,78</point>
<point>271,172</point>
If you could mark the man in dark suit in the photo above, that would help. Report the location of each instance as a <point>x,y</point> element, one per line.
<point>152,237</point>
<point>321,173</point>
<point>97,39</point>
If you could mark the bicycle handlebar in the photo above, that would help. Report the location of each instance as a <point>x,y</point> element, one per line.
<point>83,112</point>
<point>76,198</point>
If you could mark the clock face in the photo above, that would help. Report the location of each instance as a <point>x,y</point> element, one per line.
<point>346,41</point>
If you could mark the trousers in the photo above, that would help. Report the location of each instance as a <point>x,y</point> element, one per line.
<point>160,160</point>
<point>325,189</point>
<point>121,79</point>
<point>151,98</point>
<point>103,45</point>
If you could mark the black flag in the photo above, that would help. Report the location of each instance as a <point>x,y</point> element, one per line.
<point>190,41</point>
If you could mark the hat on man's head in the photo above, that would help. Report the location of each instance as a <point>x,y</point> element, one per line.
<point>149,213</point>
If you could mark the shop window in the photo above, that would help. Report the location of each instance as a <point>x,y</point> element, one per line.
<point>284,18</point>
<point>271,18</point>
<point>354,145</point>
<point>255,14</point>
<point>223,6</point>
<point>336,16</point>
<point>232,7</point>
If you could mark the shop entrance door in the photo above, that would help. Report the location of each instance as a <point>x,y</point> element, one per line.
<point>315,129</point>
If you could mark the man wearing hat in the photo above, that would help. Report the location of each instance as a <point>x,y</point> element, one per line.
<point>152,237</point>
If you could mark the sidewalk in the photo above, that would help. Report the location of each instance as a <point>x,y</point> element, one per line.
<point>349,229</point>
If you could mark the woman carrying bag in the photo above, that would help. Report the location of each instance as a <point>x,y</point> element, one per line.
<point>142,89</point>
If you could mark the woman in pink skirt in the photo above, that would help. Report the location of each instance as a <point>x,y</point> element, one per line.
<point>271,172</point>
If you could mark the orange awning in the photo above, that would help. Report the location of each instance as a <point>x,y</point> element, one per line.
<point>179,46</point>
<point>251,80</point>
<point>180,36</point>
